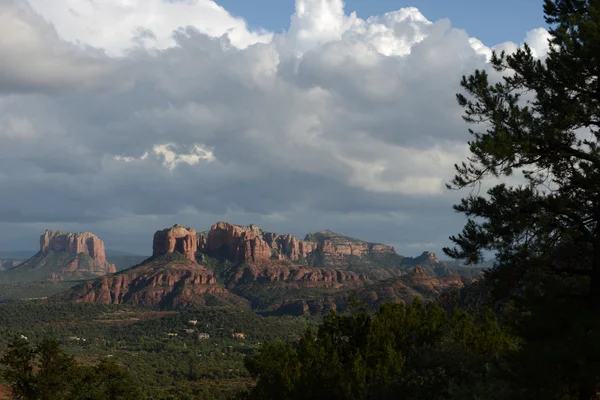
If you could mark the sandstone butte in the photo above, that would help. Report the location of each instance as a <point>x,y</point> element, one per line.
<point>164,281</point>
<point>263,263</point>
<point>176,239</point>
<point>63,256</point>
<point>171,277</point>
<point>76,244</point>
<point>250,244</point>
<point>270,257</point>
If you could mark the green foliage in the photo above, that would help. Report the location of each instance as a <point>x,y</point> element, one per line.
<point>29,290</point>
<point>166,367</point>
<point>543,119</point>
<point>41,266</point>
<point>400,352</point>
<point>45,372</point>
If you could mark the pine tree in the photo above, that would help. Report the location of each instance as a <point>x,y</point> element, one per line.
<point>400,352</point>
<point>45,372</point>
<point>541,119</point>
<point>18,370</point>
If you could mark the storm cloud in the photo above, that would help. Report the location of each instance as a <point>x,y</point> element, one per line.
<point>181,114</point>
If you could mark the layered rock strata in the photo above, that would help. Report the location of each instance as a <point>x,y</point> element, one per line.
<point>164,281</point>
<point>63,257</point>
<point>176,239</point>
<point>75,243</point>
<point>249,244</point>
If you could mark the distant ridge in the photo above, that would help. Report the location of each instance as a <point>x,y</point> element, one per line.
<point>268,272</point>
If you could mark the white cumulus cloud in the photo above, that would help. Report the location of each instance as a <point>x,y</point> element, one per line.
<point>109,108</point>
<point>118,25</point>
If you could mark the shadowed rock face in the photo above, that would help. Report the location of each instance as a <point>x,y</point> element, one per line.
<point>164,281</point>
<point>238,244</point>
<point>176,239</point>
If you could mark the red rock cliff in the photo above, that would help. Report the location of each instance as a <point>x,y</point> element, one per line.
<point>289,246</point>
<point>75,243</point>
<point>250,244</point>
<point>176,239</point>
<point>333,243</point>
<point>164,281</point>
<point>239,243</point>
<point>263,275</point>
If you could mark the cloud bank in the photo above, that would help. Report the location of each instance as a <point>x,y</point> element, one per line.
<point>122,117</point>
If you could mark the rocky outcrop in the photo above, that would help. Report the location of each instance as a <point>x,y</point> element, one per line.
<point>289,247</point>
<point>334,243</point>
<point>428,263</point>
<point>63,257</point>
<point>233,264</point>
<point>296,290</point>
<point>176,239</point>
<point>315,277</point>
<point>426,258</point>
<point>419,270</point>
<point>74,243</point>
<point>358,249</point>
<point>201,238</point>
<point>239,244</point>
<point>406,288</point>
<point>163,281</point>
<point>250,244</point>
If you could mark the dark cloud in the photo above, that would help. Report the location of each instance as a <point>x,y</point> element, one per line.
<point>339,123</point>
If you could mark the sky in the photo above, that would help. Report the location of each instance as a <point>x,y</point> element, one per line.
<point>492,22</point>
<point>123,117</point>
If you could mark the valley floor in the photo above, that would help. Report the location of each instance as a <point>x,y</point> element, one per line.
<point>169,355</point>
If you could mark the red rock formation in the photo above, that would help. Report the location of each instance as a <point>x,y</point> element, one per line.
<point>165,281</point>
<point>431,284</point>
<point>313,277</point>
<point>249,244</point>
<point>63,257</point>
<point>294,248</point>
<point>201,238</point>
<point>328,247</point>
<point>268,271</point>
<point>176,239</point>
<point>334,243</point>
<point>239,244</point>
<point>75,243</point>
<point>426,258</point>
<point>78,244</point>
